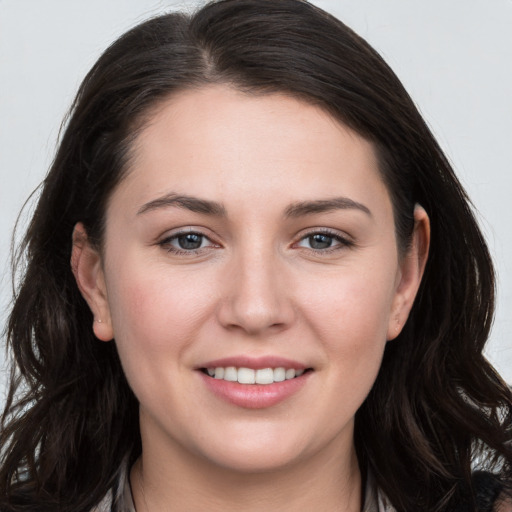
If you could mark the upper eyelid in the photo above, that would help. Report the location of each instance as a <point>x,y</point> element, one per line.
<point>172,238</point>
<point>335,233</point>
<point>171,234</point>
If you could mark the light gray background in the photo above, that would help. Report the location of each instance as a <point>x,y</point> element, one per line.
<point>453,57</point>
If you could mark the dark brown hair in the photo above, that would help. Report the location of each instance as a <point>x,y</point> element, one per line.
<point>437,405</point>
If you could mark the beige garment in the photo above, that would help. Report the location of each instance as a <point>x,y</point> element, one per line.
<point>374,500</point>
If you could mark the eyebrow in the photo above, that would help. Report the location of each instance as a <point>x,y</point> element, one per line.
<point>206,207</point>
<point>193,204</point>
<point>302,208</point>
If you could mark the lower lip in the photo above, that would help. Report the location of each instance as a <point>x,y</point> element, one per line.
<point>255,396</point>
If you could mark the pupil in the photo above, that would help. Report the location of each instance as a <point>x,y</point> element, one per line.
<point>320,241</point>
<point>190,241</point>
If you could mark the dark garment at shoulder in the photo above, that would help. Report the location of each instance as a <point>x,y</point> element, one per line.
<point>488,490</point>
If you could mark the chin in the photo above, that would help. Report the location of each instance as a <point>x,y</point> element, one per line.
<point>263,460</point>
<point>264,450</point>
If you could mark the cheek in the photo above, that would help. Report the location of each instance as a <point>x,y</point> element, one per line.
<point>357,307</point>
<point>155,313</point>
<point>350,319</point>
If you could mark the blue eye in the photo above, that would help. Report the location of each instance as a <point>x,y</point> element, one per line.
<point>189,242</point>
<point>320,241</point>
<point>323,241</point>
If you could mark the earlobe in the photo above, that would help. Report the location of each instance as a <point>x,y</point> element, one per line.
<point>86,264</point>
<point>412,268</point>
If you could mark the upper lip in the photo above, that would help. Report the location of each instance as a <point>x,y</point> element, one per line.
<point>255,363</point>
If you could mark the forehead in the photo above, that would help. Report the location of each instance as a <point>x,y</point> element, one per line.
<point>224,144</point>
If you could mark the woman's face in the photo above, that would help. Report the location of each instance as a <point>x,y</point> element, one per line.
<point>251,232</point>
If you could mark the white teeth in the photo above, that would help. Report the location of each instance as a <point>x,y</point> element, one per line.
<point>250,376</point>
<point>279,375</point>
<point>265,376</point>
<point>246,376</point>
<point>290,374</point>
<point>230,374</point>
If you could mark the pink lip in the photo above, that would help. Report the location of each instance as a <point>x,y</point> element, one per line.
<point>255,363</point>
<point>254,396</point>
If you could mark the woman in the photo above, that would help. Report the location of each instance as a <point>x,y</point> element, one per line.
<point>291,290</point>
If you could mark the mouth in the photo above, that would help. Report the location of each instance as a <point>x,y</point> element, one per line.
<point>262,376</point>
<point>254,382</point>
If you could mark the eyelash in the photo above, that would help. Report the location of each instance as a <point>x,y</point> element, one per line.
<point>166,243</point>
<point>343,242</point>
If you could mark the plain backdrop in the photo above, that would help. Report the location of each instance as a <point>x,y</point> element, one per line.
<point>454,57</point>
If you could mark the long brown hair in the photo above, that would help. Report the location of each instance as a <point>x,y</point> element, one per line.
<point>437,405</point>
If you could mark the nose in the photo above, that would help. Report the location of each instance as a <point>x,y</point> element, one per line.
<point>256,296</point>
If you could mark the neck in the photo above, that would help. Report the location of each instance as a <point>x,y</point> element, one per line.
<point>323,483</point>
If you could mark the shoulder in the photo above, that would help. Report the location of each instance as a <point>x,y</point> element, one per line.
<point>492,495</point>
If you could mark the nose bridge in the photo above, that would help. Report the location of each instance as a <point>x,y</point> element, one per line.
<point>256,298</point>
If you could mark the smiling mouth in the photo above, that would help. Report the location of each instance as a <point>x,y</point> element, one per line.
<point>249,376</point>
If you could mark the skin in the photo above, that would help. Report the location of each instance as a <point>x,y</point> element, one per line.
<point>256,287</point>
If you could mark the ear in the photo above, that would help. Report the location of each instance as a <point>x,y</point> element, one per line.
<point>410,273</point>
<point>86,264</point>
